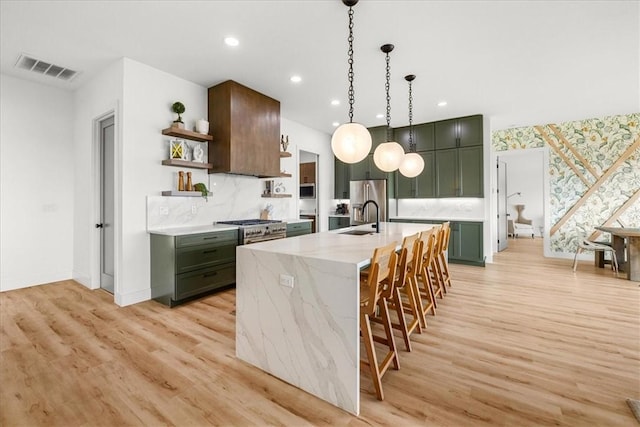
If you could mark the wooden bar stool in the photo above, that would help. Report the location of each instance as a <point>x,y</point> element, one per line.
<point>403,285</point>
<point>437,267</point>
<point>423,285</point>
<point>442,255</point>
<point>383,266</point>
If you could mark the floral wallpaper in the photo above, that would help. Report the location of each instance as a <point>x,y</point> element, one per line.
<point>599,144</point>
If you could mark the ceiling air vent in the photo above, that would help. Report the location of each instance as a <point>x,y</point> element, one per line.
<point>41,67</point>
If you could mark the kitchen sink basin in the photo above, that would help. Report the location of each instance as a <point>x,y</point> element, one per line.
<point>357,232</point>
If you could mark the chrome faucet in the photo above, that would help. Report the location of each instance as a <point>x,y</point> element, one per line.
<point>377,213</point>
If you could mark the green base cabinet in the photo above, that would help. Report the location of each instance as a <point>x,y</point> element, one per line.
<point>336,222</point>
<point>466,243</point>
<point>298,228</point>
<point>184,267</point>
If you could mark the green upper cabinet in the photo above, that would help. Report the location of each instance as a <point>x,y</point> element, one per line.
<point>423,136</point>
<point>367,169</point>
<point>459,172</point>
<point>460,132</point>
<point>471,171</point>
<point>378,136</point>
<point>422,186</point>
<point>342,178</point>
<point>447,173</point>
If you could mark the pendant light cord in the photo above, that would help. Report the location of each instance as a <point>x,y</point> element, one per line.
<point>412,145</point>
<point>350,61</point>
<point>386,87</point>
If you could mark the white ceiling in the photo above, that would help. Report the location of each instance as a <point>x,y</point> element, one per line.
<point>518,62</point>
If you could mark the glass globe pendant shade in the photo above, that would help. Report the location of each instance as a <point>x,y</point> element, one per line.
<point>412,165</point>
<point>388,156</point>
<point>351,142</point>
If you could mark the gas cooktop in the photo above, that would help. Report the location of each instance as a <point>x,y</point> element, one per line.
<point>245,222</point>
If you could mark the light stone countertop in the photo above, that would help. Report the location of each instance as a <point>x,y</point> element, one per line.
<point>336,246</point>
<point>340,215</point>
<point>296,220</point>
<point>196,229</point>
<point>435,218</point>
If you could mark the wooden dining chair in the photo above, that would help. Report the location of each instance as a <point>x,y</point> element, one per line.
<point>402,285</point>
<point>423,283</point>
<point>383,266</point>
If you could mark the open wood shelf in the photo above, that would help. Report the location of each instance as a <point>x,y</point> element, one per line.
<point>285,154</point>
<point>285,175</point>
<point>183,193</point>
<point>187,164</point>
<point>183,133</point>
<point>276,196</point>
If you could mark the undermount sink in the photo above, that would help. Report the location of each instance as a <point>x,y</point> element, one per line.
<point>357,232</point>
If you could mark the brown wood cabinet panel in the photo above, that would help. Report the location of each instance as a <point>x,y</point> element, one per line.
<point>307,173</point>
<point>246,125</point>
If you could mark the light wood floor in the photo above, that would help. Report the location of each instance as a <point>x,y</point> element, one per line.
<point>522,342</point>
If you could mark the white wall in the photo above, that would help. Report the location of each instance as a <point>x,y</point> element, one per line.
<point>100,96</point>
<point>36,183</point>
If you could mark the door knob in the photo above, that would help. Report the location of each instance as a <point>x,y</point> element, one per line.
<point>99,225</point>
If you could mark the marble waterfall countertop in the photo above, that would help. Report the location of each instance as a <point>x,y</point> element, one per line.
<point>298,308</point>
<point>336,246</point>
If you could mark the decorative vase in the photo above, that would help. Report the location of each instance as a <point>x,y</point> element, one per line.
<point>284,141</point>
<point>202,126</point>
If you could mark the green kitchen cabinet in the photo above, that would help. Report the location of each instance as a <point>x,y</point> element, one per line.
<point>465,240</point>
<point>342,177</point>
<point>378,136</point>
<point>186,266</point>
<point>466,243</point>
<point>459,132</point>
<point>367,169</point>
<point>336,222</point>
<point>298,228</point>
<point>423,137</point>
<point>422,186</point>
<point>459,172</point>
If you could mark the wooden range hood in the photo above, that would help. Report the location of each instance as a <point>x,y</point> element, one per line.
<point>245,125</point>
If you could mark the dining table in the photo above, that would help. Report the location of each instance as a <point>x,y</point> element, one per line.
<point>626,243</point>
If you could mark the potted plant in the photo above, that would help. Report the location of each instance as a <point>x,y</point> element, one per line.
<point>178,108</point>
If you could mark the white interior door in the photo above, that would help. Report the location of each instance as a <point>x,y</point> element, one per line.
<point>107,238</point>
<point>502,206</point>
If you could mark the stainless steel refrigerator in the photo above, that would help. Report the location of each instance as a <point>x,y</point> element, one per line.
<point>363,190</point>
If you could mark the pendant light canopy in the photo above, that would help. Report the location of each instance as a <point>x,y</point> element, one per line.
<point>351,142</point>
<point>413,163</point>
<point>388,155</point>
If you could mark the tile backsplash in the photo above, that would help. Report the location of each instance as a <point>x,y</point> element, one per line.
<point>233,197</point>
<point>450,208</point>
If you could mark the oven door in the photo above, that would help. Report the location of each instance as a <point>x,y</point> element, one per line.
<point>249,240</point>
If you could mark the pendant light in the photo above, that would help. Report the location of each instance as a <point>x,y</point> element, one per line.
<point>413,163</point>
<point>388,155</point>
<point>351,142</point>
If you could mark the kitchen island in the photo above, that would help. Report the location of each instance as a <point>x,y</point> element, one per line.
<point>297,308</point>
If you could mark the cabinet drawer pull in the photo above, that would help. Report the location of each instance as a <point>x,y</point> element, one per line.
<point>213,273</point>
<point>210,251</point>
<point>211,238</point>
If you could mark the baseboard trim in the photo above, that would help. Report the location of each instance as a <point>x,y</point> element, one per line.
<point>124,300</point>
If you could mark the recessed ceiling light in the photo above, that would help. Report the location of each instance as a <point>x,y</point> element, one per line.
<point>379,116</point>
<point>231,41</point>
<point>335,102</point>
<point>442,103</point>
<point>296,79</point>
<point>335,124</point>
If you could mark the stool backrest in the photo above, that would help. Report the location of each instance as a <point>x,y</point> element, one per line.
<point>383,269</point>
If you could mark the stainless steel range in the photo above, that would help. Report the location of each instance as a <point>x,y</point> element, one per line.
<point>258,230</point>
